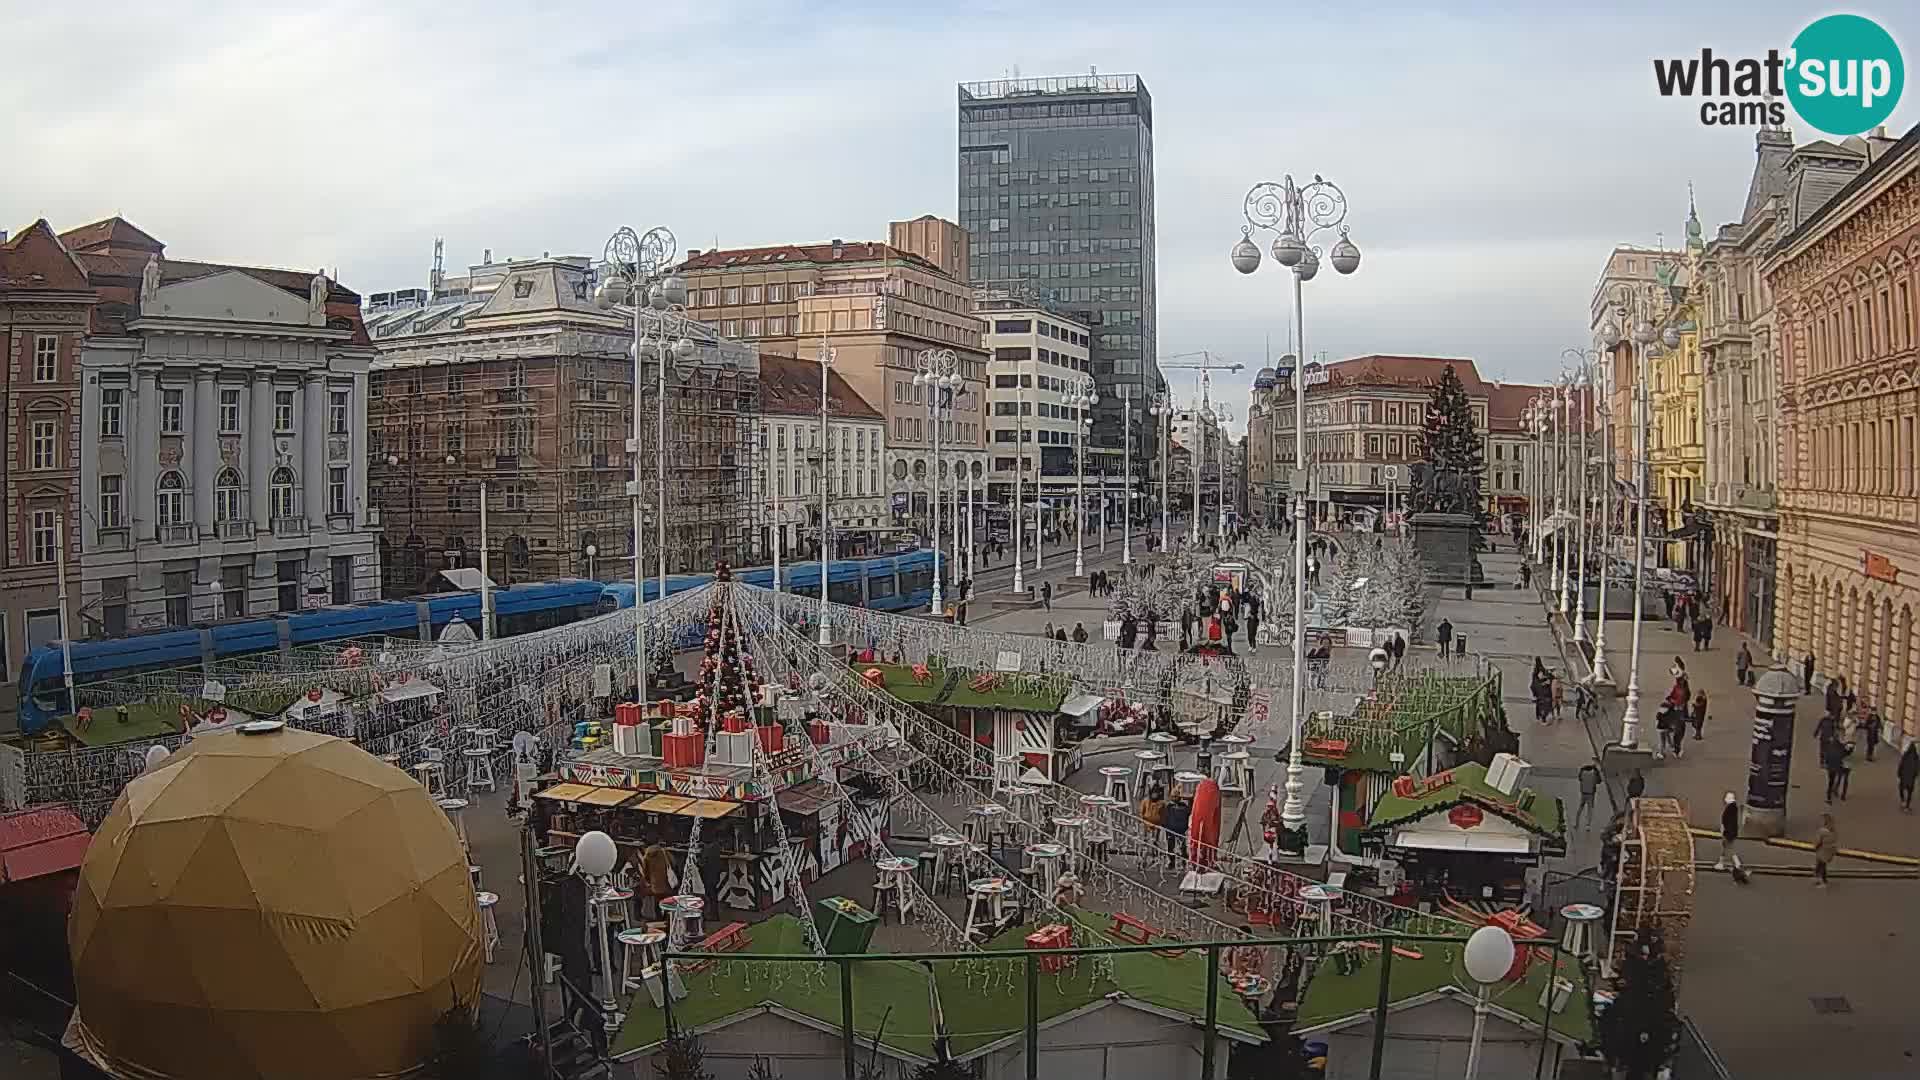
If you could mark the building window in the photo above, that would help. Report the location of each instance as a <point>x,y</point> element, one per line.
<point>732,294</point>
<point>753,294</point>
<point>45,444</point>
<point>177,585</point>
<point>337,491</point>
<point>111,507</point>
<point>172,408</point>
<point>456,381</point>
<point>516,497</point>
<point>281,492</point>
<point>46,358</point>
<point>776,294</point>
<point>730,328</point>
<point>233,592</point>
<point>110,403</point>
<point>343,579</point>
<point>287,576</point>
<point>283,411</point>
<point>230,411</point>
<point>226,496</point>
<point>171,502</point>
<point>456,501</point>
<point>753,327</point>
<point>456,435</point>
<point>777,326</point>
<point>113,607</point>
<point>42,536</point>
<point>337,412</point>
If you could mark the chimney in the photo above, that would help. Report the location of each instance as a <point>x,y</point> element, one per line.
<point>3,236</point>
<point>486,255</point>
<point>691,252</point>
<point>839,247</point>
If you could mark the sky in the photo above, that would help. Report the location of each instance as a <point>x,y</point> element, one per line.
<point>1491,155</point>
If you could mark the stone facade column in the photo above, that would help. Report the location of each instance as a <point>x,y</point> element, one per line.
<point>143,450</point>
<point>357,500</point>
<point>206,456</point>
<point>313,447</point>
<point>260,448</point>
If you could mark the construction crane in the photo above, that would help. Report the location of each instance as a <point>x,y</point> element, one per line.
<point>1206,364</point>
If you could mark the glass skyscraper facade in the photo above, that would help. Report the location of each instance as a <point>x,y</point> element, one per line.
<point>1056,192</point>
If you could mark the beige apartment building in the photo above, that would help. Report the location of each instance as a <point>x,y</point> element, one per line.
<point>880,307</point>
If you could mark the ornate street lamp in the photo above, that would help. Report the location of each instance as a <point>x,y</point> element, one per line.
<point>1162,410</point>
<point>1296,215</point>
<point>1081,400</point>
<point>939,371</point>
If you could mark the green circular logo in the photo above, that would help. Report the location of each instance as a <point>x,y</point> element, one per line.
<point>1846,74</point>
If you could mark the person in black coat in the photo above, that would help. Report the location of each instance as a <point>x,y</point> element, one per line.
<point>1175,820</point>
<point>1908,772</point>
<point>1636,785</point>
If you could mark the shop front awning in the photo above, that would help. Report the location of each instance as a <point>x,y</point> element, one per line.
<point>805,799</point>
<point>565,792</point>
<point>608,797</point>
<point>1491,843</point>
<point>1080,705</point>
<point>664,804</point>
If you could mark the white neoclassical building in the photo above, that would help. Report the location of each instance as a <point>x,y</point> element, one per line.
<point>223,464</point>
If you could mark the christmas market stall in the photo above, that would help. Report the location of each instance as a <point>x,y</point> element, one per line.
<point>1469,833</point>
<point>1018,714</point>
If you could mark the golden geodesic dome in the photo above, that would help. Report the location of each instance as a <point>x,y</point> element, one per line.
<point>281,905</point>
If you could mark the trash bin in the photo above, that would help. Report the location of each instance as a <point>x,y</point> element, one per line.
<point>1460,645</point>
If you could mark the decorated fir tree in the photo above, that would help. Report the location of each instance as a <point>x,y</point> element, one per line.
<point>1640,1031</point>
<point>728,682</point>
<point>1454,456</point>
<point>682,1058</point>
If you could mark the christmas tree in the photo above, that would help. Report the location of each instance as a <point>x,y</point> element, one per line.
<point>682,1058</point>
<point>1454,456</point>
<point>1640,1031</point>
<point>728,683</point>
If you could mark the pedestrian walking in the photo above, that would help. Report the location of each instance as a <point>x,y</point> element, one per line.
<point>1444,633</point>
<point>1589,787</point>
<point>1825,846</point>
<point>1729,833</point>
<point>960,613</point>
<point>1541,686</point>
<point>1046,594</point>
<point>1833,758</point>
<point>1699,713</point>
<point>1559,695</point>
<point>1806,675</point>
<point>1399,650</point>
<point>1870,732</point>
<point>1743,666</point>
<point>1047,631</point>
<point>1636,785</point>
<point>1706,631</point>
<point>1253,628</point>
<point>1908,772</point>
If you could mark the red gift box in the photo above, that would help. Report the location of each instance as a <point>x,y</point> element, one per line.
<point>773,739</point>
<point>1054,936</point>
<point>683,751</point>
<point>818,731</point>
<point>627,713</point>
<point>733,721</point>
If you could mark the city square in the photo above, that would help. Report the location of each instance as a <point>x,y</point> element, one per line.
<point>1048,601</point>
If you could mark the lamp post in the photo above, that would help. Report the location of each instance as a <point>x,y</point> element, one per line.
<point>592,550</point>
<point>1162,410</point>
<point>1643,335</point>
<point>1488,957</point>
<point>1224,416</point>
<point>594,856</point>
<point>1126,493</point>
<point>972,469</point>
<point>1608,339</point>
<point>1081,399</point>
<point>1584,360</point>
<point>637,282</point>
<point>1296,215</point>
<point>1202,421</point>
<point>939,371</point>
<point>1563,562</point>
<point>825,357</point>
<point>1019,482</point>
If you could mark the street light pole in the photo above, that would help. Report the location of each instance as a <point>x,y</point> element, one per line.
<point>1602,676</point>
<point>939,370</point>
<point>1643,334</point>
<point>1019,480</point>
<point>1126,493</point>
<point>1562,443</point>
<point>1162,410</point>
<point>825,358</point>
<point>1220,502</point>
<point>1583,413</point>
<point>1081,401</point>
<point>1297,214</point>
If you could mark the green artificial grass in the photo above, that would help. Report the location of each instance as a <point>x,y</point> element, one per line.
<point>1469,785</point>
<point>954,687</point>
<point>894,993</point>
<point>1333,996</point>
<point>143,721</point>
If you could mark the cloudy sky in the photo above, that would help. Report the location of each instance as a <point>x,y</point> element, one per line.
<point>1491,156</point>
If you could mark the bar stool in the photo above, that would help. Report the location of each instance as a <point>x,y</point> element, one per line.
<point>986,823</point>
<point>949,861</point>
<point>986,903</point>
<point>1044,861</point>
<point>1581,919</point>
<point>685,913</point>
<point>1148,763</point>
<point>1116,781</point>
<point>896,881</point>
<point>482,738</point>
<point>473,873</point>
<point>614,908</point>
<point>479,768</point>
<point>1025,803</point>
<point>644,942</point>
<point>1234,771</point>
<point>1187,782</point>
<point>489,930</point>
<point>433,777</point>
<point>1203,759</point>
<point>453,809</point>
<point>1006,771</point>
<point>1318,900</point>
<point>1071,831</point>
<point>1099,810</point>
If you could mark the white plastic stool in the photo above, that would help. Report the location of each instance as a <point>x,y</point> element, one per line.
<point>983,821</point>
<point>1234,771</point>
<point>949,860</point>
<point>433,777</point>
<point>482,738</point>
<point>1025,803</point>
<point>686,913</point>
<point>489,931</point>
<point>473,872</point>
<point>1116,777</point>
<point>1149,762</point>
<point>896,880</point>
<point>454,810</point>
<point>479,768</point>
<point>1072,833</point>
<point>645,943</point>
<point>1044,860</point>
<point>1006,771</point>
<point>1581,919</point>
<point>1187,783</point>
<point>985,904</point>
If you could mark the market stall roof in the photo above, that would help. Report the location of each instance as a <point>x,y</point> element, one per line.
<point>664,804</point>
<point>1081,704</point>
<point>607,796</point>
<point>708,808</point>
<point>1491,843</point>
<point>1467,784</point>
<point>42,841</point>
<point>1011,692</point>
<point>409,691</point>
<point>805,798</point>
<point>1335,999</point>
<point>565,792</point>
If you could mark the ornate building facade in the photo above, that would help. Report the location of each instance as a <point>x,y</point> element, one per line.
<point>1844,283</point>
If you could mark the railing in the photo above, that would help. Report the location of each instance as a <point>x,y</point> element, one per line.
<point>178,534</point>
<point>236,529</point>
<point>290,526</point>
<point>1011,979</point>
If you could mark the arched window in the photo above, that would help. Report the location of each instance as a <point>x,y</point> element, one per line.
<point>172,509</point>
<point>281,493</point>
<point>227,503</point>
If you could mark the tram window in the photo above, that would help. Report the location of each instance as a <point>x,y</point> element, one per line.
<point>916,581</point>
<point>880,587</point>
<point>844,592</point>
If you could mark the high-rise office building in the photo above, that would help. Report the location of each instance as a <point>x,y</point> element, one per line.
<point>1056,193</point>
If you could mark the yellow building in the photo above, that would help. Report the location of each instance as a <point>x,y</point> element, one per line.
<point>1676,440</point>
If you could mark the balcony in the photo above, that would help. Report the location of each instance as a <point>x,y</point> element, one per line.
<point>178,533</point>
<point>1725,332</point>
<point>290,527</point>
<point>236,529</point>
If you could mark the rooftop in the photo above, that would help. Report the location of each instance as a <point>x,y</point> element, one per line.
<point>35,260</point>
<point>1334,998</point>
<point>955,687</point>
<point>1464,784</point>
<point>1409,372</point>
<point>791,387</point>
<point>1052,86</point>
<point>779,256</point>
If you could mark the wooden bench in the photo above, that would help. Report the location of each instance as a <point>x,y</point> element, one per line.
<point>732,937</point>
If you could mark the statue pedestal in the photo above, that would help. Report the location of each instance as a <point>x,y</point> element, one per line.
<point>1444,543</point>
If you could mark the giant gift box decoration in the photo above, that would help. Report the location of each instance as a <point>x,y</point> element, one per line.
<point>683,747</point>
